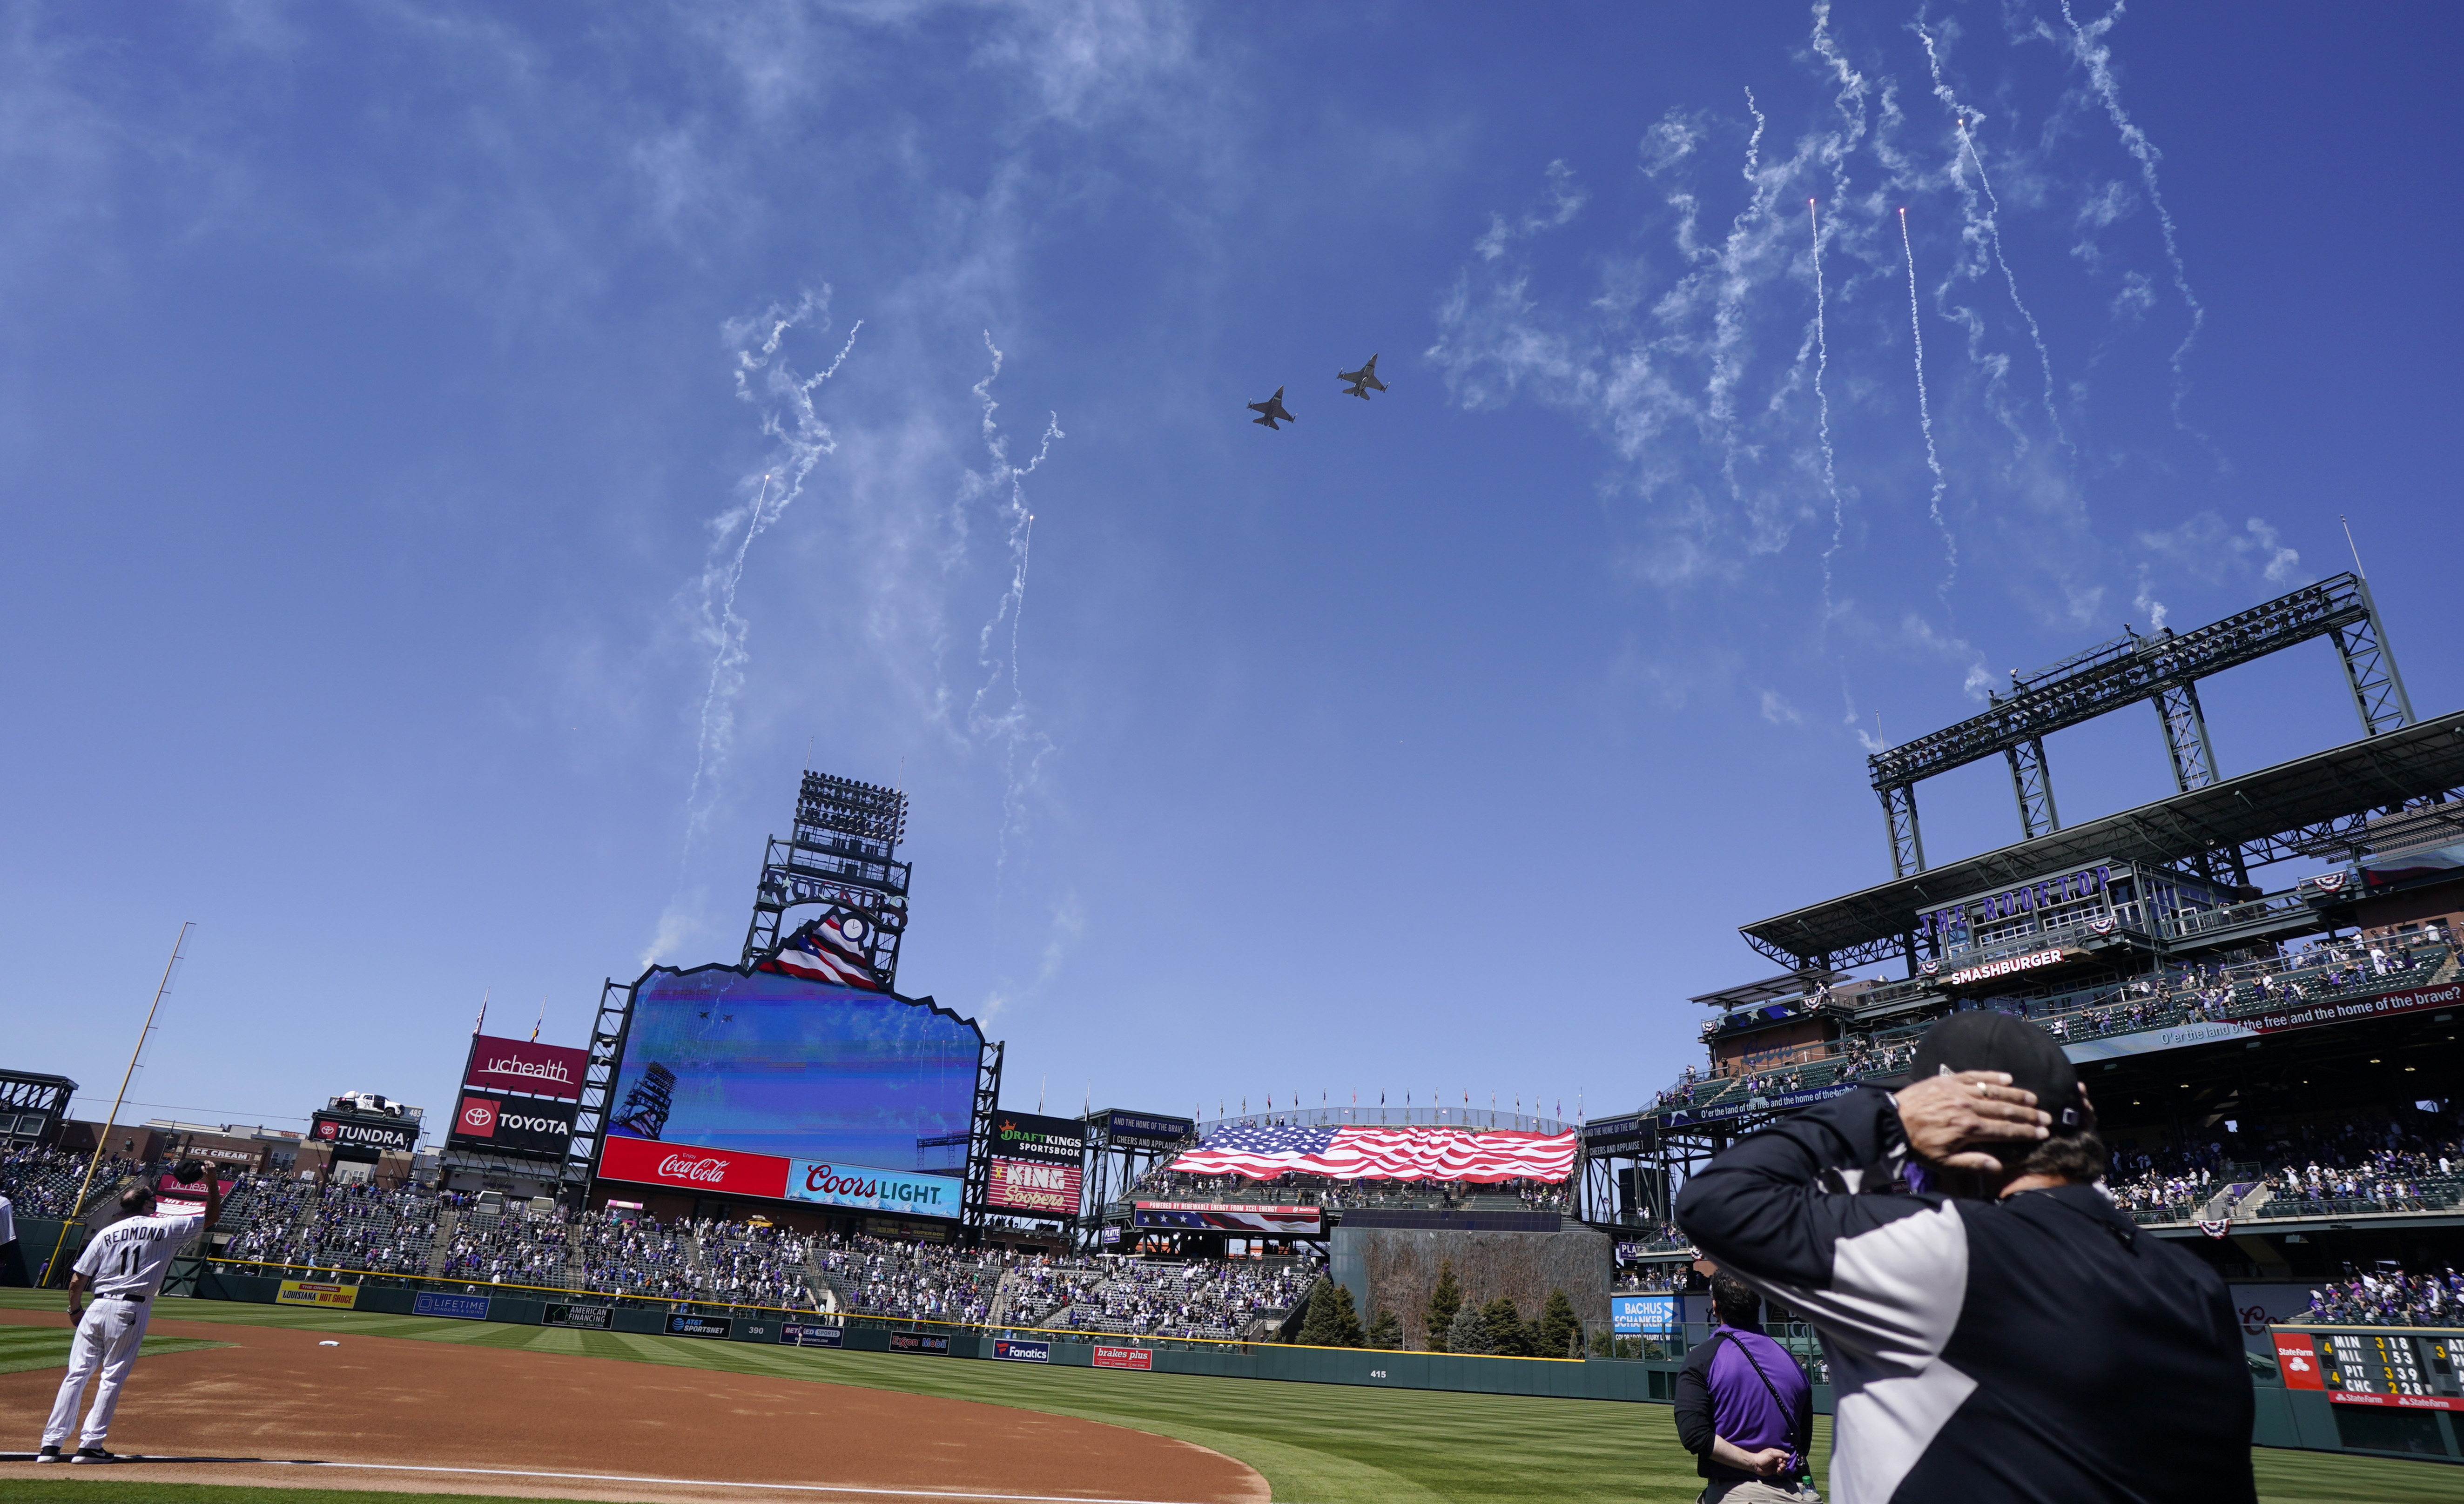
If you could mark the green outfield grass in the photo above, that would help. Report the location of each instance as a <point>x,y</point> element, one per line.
<point>1316,1443</point>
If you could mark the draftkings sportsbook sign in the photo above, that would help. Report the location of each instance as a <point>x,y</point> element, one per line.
<point>1036,1164</point>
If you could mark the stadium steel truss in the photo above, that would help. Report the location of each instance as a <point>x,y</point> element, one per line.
<point>2163,670</point>
<point>2401,781</point>
<point>842,850</point>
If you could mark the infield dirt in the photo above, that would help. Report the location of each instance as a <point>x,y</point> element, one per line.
<point>277,1394</point>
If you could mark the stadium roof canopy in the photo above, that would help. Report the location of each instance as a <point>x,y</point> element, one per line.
<point>2311,805</point>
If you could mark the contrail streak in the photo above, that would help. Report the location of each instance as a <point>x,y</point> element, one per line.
<point>2097,60</point>
<point>1011,725</point>
<point>804,438</point>
<point>1924,418</point>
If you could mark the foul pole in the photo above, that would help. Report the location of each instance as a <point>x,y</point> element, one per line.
<point>102,1140</point>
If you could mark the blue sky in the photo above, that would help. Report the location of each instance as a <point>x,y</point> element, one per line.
<point>388,392</point>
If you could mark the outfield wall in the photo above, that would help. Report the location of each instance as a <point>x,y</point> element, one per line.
<point>2306,1419</point>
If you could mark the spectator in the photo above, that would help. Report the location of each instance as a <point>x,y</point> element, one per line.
<point>1744,1407</point>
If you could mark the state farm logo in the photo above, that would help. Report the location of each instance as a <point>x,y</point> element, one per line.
<point>705,1171</point>
<point>478,1117</point>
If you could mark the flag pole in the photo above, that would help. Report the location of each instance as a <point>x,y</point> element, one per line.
<point>102,1140</point>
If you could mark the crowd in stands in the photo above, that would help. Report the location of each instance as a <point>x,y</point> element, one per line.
<point>1192,1300</point>
<point>2390,1297</point>
<point>2180,994</point>
<point>878,1276</point>
<point>1196,1299</point>
<point>43,1183</point>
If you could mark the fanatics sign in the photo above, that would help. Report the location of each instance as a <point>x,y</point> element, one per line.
<point>709,1172</point>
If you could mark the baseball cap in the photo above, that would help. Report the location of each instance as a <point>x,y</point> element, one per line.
<point>1991,1041</point>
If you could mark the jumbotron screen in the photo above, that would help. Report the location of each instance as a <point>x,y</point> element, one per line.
<point>798,1081</point>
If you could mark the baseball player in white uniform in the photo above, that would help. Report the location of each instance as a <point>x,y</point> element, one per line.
<point>124,1266</point>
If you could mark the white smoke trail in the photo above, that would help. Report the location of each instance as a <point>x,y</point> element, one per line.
<point>2085,44</point>
<point>1726,322</point>
<point>1822,411</point>
<point>1925,419</point>
<point>1963,120</point>
<point>804,438</point>
<point>1012,726</point>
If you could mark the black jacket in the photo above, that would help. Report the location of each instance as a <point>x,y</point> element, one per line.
<point>2039,1348</point>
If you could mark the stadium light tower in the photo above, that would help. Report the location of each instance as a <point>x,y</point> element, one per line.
<point>842,851</point>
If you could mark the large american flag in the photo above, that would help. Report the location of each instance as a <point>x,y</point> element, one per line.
<point>826,950</point>
<point>1372,1153</point>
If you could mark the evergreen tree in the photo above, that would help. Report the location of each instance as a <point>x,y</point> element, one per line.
<point>1317,1327</point>
<point>1505,1323</point>
<point>1467,1332</point>
<point>1386,1331</point>
<point>1344,1325</point>
<point>1444,1302</point>
<point>1554,1334</point>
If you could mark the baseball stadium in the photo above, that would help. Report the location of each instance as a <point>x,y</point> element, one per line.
<point>773,1230</point>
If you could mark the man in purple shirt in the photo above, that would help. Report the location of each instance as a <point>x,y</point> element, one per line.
<point>1744,1407</point>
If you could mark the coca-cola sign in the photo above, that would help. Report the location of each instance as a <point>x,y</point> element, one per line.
<point>689,1167</point>
<point>523,1065</point>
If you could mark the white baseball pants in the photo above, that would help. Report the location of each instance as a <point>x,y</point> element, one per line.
<point>106,1339</point>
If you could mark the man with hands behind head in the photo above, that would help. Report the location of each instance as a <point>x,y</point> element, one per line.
<point>1997,1329</point>
<point>123,1265</point>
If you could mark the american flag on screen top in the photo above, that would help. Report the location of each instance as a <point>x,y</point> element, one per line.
<point>1372,1153</point>
<point>828,950</point>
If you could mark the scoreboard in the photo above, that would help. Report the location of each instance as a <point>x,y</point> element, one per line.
<point>2403,1368</point>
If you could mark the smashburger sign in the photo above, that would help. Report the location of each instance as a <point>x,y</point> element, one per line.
<point>685,1167</point>
<point>513,1124</point>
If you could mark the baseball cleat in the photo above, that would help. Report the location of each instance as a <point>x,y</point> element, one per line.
<point>48,1454</point>
<point>93,1454</point>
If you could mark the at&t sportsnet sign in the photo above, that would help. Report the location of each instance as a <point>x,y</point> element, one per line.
<point>512,1124</point>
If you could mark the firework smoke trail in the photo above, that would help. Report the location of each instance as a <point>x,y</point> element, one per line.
<point>803,440</point>
<point>1962,118</point>
<point>1011,725</point>
<point>1822,411</point>
<point>2097,60</point>
<point>1924,418</point>
<point>1727,325</point>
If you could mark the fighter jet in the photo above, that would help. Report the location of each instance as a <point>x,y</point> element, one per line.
<point>1271,409</point>
<point>1362,381</point>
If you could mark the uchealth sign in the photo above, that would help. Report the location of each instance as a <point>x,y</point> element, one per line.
<point>523,1065</point>
<point>512,1124</point>
<point>833,1183</point>
<point>683,1166</point>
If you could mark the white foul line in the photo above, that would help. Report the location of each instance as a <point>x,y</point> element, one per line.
<point>727,1482</point>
